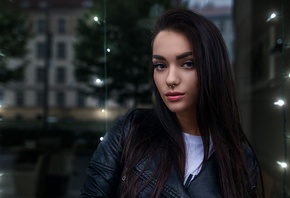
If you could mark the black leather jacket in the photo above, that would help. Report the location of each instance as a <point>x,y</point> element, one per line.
<point>105,169</point>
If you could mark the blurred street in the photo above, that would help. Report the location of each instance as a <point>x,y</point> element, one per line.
<point>22,183</point>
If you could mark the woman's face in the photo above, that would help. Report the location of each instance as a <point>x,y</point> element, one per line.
<point>175,72</point>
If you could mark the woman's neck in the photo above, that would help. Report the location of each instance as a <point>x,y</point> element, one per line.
<point>188,123</point>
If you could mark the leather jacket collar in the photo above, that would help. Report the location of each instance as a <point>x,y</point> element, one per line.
<point>205,184</point>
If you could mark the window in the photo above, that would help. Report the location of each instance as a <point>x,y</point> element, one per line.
<point>60,99</point>
<point>219,24</point>
<point>39,98</point>
<point>87,4</point>
<point>60,75</point>
<point>101,102</point>
<point>39,75</point>
<point>61,50</point>
<point>61,26</point>
<point>222,26</point>
<point>40,50</point>
<point>19,98</point>
<point>80,99</point>
<point>1,99</point>
<point>26,4</point>
<point>40,26</point>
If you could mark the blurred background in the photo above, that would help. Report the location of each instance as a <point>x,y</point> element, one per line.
<point>69,68</point>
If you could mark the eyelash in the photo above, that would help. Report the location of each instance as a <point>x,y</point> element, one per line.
<point>158,65</point>
<point>187,64</point>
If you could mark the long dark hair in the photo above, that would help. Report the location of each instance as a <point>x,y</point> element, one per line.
<point>217,114</point>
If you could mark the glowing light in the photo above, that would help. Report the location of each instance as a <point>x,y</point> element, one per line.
<point>108,50</point>
<point>103,110</point>
<point>279,103</point>
<point>279,41</point>
<point>282,164</point>
<point>101,138</point>
<point>98,81</point>
<point>272,16</point>
<point>96,19</point>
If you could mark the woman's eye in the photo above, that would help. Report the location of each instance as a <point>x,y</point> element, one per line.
<point>159,66</point>
<point>188,64</point>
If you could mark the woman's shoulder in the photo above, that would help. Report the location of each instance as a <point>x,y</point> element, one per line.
<point>249,153</point>
<point>137,112</point>
<point>135,116</point>
<point>252,162</point>
<point>253,167</point>
<point>138,115</point>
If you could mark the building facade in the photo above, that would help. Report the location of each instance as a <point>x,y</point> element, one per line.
<point>25,99</point>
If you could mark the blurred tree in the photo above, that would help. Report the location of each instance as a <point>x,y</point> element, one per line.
<point>14,33</point>
<point>128,31</point>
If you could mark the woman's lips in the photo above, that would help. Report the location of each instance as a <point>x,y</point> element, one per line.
<point>175,95</point>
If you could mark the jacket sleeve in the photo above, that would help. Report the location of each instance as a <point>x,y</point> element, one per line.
<point>103,172</point>
<point>253,169</point>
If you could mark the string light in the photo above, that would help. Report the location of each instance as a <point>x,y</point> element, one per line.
<point>272,16</point>
<point>279,103</point>
<point>282,164</point>
<point>106,50</point>
<point>98,81</point>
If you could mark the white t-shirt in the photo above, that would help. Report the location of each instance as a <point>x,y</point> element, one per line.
<point>194,155</point>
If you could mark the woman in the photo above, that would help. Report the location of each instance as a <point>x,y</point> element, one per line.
<point>192,143</point>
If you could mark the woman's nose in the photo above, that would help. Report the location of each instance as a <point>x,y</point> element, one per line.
<point>172,77</point>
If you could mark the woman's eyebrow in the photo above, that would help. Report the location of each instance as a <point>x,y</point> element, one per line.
<point>179,57</point>
<point>183,55</point>
<point>158,57</point>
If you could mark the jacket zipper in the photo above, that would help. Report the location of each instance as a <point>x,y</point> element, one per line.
<point>188,181</point>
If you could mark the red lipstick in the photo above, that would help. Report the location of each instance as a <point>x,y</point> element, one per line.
<point>174,95</point>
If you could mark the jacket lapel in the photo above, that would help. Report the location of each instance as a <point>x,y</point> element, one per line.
<point>206,183</point>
